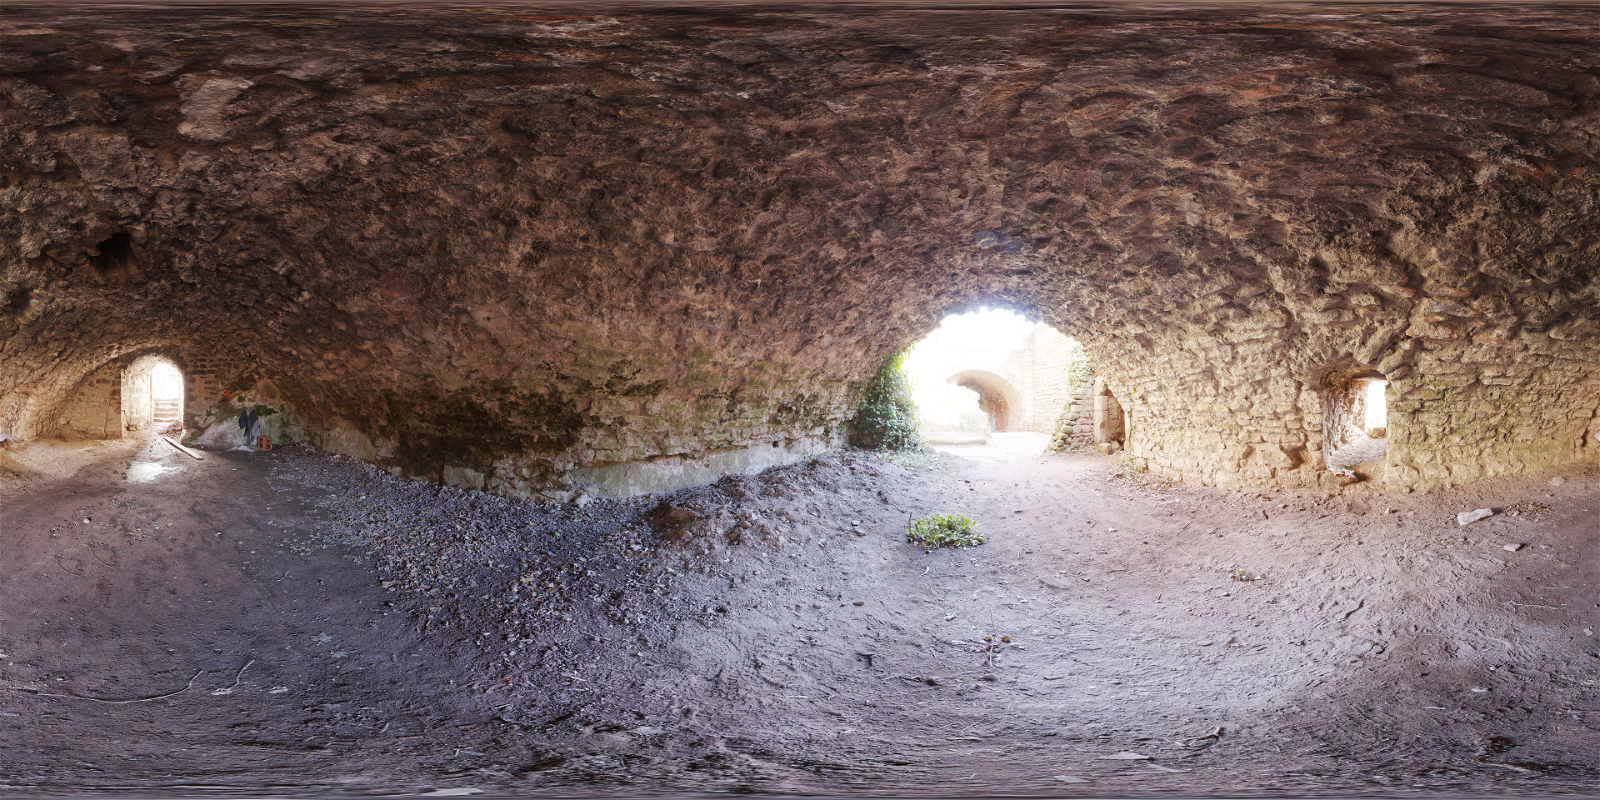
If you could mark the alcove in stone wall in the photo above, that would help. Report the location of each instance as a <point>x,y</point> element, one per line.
<point>1355,439</point>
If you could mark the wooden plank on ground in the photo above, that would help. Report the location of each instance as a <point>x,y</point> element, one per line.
<point>194,453</point>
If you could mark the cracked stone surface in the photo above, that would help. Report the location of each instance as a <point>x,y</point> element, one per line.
<point>520,247</point>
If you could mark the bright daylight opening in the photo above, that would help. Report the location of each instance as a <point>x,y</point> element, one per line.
<point>1355,426</point>
<point>992,371</point>
<point>152,395</point>
<point>166,394</point>
<point>1377,416</point>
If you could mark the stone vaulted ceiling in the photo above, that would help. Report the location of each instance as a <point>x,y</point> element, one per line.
<point>515,245</point>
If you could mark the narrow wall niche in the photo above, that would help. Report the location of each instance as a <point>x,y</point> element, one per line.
<point>1355,421</point>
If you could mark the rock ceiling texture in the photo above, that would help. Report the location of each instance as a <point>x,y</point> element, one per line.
<point>511,245</point>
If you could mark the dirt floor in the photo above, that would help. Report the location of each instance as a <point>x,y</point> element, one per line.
<point>289,622</point>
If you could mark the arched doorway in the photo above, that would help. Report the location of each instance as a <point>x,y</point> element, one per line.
<point>152,395</point>
<point>993,370</point>
<point>999,400</point>
<point>1354,420</point>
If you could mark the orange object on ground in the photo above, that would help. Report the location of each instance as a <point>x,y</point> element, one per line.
<point>263,442</point>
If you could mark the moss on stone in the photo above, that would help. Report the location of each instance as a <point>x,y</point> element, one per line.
<point>646,389</point>
<point>703,378</point>
<point>226,410</point>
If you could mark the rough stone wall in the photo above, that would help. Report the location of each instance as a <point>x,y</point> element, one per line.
<point>1050,383</point>
<point>138,405</point>
<point>95,408</point>
<point>1488,409</point>
<point>213,381</point>
<point>1075,426</point>
<point>506,245</point>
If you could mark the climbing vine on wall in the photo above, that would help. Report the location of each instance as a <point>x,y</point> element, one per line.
<point>1078,366</point>
<point>887,419</point>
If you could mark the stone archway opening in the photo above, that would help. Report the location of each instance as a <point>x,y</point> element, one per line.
<point>1355,420</point>
<point>152,395</point>
<point>998,400</point>
<point>993,371</point>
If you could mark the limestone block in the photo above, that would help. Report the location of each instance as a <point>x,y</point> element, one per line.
<point>206,109</point>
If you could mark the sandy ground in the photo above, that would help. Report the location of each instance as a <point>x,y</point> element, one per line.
<point>290,621</point>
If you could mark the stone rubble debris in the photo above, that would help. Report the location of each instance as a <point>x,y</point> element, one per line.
<point>1466,518</point>
<point>1515,546</point>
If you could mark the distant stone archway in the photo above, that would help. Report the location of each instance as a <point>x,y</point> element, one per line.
<point>997,397</point>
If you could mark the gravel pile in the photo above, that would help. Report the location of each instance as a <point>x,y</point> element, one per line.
<point>617,616</point>
<point>532,581</point>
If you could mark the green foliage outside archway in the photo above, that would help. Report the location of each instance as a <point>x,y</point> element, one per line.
<point>887,418</point>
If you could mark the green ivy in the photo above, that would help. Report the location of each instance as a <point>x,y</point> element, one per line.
<point>887,419</point>
<point>226,410</point>
<point>1078,365</point>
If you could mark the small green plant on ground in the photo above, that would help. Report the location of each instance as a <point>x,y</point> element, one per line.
<point>887,419</point>
<point>943,530</point>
